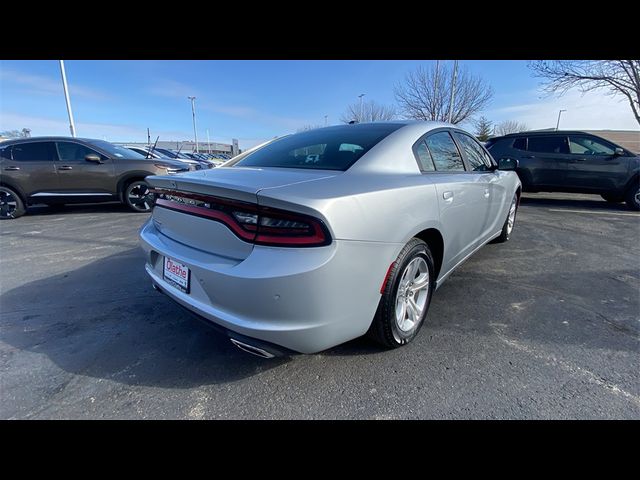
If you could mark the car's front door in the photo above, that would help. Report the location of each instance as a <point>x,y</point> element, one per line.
<point>593,165</point>
<point>79,176</point>
<point>461,215</point>
<point>30,165</point>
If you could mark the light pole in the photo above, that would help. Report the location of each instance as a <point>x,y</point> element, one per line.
<point>558,124</point>
<point>72,125</point>
<point>325,120</point>
<point>453,88</point>
<point>193,112</point>
<point>360,97</point>
<point>208,142</point>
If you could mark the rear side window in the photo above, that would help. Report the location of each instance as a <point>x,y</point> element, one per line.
<point>549,144</point>
<point>424,157</point>
<point>446,156</point>
<point>33,152</point>
<point>520,143</point>
<point>473,152</point>
<point>335,148</point>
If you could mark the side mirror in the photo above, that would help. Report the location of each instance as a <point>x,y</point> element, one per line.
<point>508,164</point>
<point>92,157</point>
<point>618,152</point>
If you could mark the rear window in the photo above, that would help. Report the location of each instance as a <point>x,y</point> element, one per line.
<point>549,144</point>
<point>335,148</point>
<point>520,143</point>
<point>34,152</point>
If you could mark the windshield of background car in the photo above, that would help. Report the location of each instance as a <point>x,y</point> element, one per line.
<point>117,151</point>
<point>335,148</point>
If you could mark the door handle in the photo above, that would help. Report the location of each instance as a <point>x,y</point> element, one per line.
<point>448,196</point>
<point>11,169</point>
<point>65,167</point>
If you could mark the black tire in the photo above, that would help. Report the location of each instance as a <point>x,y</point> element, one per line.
<point>632,197</point>
<point>612,198</point>
<point>505,235</point>
<point>385,328</point>
<point>137,197</point>
<point>11,205</point>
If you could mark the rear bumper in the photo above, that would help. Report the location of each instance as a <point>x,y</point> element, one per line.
<point>306,300</point>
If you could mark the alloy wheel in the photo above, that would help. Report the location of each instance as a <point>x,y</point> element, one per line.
<point>8,204</point>
<point>140,197</point>
<point>412,294</point>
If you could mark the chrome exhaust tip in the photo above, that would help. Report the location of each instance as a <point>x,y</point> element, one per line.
<point>252,349</point>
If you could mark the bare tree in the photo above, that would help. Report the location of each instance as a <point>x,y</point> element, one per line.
<point>618,77</point>
<point>370,112</point>
<point>24,133</point>
<point>510,126</point>
<point>426,93</point>
<point>484,129</point>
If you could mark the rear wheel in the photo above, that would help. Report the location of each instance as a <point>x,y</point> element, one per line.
<point>138,196</point>
<point>509,223</point>
<point>406,297</point>
<point>633,197</point>
<point>612,198</point>
<point>11,205</point>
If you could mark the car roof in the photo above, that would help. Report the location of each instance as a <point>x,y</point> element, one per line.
<point>50,139</point>
<point>533,133</point>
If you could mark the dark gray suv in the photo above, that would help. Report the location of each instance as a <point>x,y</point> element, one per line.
<point>58,170</point>
<point>568,161</point>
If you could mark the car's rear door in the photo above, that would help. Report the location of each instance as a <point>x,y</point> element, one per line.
<point>79,176</point>
<point>546,159</point>
<point>462,216</point>
<point>593,165</point>
<point>30,166</point>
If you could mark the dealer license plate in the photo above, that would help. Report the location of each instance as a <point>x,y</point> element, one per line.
<point>177,274</point>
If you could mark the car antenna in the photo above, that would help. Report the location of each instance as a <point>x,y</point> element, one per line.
<point>154,146</point>
<point>182,145</point>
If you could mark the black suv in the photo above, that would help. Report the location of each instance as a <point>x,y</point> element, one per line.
<point>58,170</point>
<point>578,162</point>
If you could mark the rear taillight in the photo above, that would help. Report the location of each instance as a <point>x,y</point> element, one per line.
<point>250,222</point>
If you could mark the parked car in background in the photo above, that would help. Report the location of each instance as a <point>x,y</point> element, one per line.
<point>287,255</point>
<point>571,161</point>
<point>59,170</point>
<point>150,152</point>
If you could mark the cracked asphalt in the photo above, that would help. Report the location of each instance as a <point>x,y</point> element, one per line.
<point>546,326</point>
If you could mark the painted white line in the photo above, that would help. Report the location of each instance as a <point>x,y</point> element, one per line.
<point>566,366</point>
<point>595,212</point>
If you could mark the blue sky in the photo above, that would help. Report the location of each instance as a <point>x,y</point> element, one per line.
<point>255,100</point>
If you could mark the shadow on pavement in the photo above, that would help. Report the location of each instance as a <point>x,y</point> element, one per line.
<point>104,320</point>
<point>580,202</point>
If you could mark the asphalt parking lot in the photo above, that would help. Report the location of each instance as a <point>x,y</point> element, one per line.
<point>545,326</point>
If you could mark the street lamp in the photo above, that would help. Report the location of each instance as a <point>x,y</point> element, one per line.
<point>360,97</point>
<point>193,112</point>
<point>325,120</point>
<point>558,124</point>
<point>72,125</point>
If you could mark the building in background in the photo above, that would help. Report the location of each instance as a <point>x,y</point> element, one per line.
<point>628,139</point>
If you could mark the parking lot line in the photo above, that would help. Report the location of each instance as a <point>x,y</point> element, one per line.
<point>594,212</point>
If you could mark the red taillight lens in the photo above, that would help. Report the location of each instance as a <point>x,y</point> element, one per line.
<point>250,222</point>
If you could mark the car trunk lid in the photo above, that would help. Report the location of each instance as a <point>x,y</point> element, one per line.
<point>183,210</point>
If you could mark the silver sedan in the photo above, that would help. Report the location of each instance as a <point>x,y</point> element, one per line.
<point>323,236</point>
